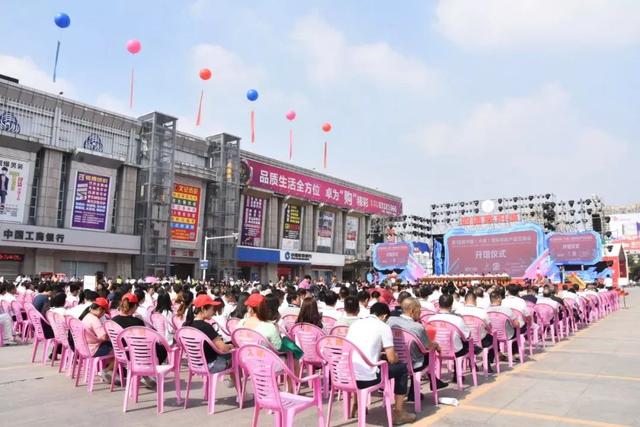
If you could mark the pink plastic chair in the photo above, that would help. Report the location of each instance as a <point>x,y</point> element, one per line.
<point>61,338</point>
<point>338,352</point>
<point>176,322</point>
<point>264,366</point>
<point>306,336</point>
<point>143,362</point>
<point>545,315</point>
<point>119,353</point>
<point>424,317</point>
<point>445,337</point>
<point>21,325</point>
<point>328,323</point>
<point>477,326</point>
<point>82,354</point>
<point>403,341</point>
<point>232,325</point>
<point>529,335</point>
<point>289,320</point>
<point>36,320</point>
<point>571,305</point>
<point>499,328</point>
<point>192,342</point>
<point>340,331</point>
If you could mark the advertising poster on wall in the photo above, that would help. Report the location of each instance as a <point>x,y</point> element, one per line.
<point>625,229</point>
<point>14,177</point>
<point>575,248</point>
<point>251,234</point>
<point>324,236</point>
<point>91,201</point>
<point>185,211</point>
<point>291,228</point>
<point>351,236</point>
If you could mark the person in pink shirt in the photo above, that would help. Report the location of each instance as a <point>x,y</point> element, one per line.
<point>97,338</point>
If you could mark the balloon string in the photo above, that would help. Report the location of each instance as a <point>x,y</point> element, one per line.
<point>290,144</point>
<point>253,127</point>
<point>55,63</point>
<point>325,155</point>
<point>131,89</point>
<point>199,109</point>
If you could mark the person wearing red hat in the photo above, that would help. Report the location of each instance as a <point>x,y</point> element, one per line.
<point>218,358</point>
<point>96,335</point>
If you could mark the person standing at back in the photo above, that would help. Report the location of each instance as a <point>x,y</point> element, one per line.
<point>372,336</point>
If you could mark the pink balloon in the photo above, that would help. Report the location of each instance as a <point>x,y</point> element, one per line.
<point>291,115</point>
<point>134,46</point>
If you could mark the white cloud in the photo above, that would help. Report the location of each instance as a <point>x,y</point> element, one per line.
<point>115,104</point>
<point>331,58</point>
<point>533,143</point>
<point>549,24</point>
<point>29,74</point>
<point>229,69</point>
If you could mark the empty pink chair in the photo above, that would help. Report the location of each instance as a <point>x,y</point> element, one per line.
<point>545,315</point>
<point>403,341</point>
<point>306,336</point>
<point>445,334</point>
<point>328,323</point>
<point>338,353</point>
<point>499,323</point>
<point>477,326</point>
<point>83,358</point>
<point>192,342</point>
<point>143,362</point>
<point>264,366</point>
<point>61,338</point>
<point>340,331</point>
<point>121,360</point>
<point>36,320</point>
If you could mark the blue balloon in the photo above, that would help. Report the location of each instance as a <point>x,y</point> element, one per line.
<point>252,94</point>
<point>62,20</point>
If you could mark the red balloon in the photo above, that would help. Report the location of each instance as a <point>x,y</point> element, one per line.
<point>326,127</point>
<point>205,74</point>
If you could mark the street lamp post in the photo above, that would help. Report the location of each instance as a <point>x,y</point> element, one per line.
<point>204,249</point>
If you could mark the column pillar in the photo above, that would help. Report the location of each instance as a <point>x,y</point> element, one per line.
<point>309,227</point>
<point>338,235</point>
<point>51,173</point>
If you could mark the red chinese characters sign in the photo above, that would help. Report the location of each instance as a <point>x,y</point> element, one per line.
<point>490,219</point>
<point>511,253</point>
<point>574,248</point>
<point>284,181</point>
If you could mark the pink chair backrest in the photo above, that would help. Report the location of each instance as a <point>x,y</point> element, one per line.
<point>402,343</point>
<point>426,312</point>
<point>141,345</point>
<point>289,320</point>
<point>113,313</point>
<point>28,297</point>
<point>424,318</point>
<point>263,366</point>
<point>16,309</point>
<point>306,336</point>
<point>545,313</point>
<point>499,324</point>
<point>530,304</point>
<point>232,324</point>
<point>5,307</point>
<point>177,322</point>
<point>79,339</point>
<point>113,330</point>
<point>328,323</point>
<point>36,320</point>
<point>192,342</point>
<point>445,337</point>
<point>59,326</point>
<point>519,315</point>
<point>338,352</point>
<point>476,325</point>
<point>340,331</point>
<point>245,336</point>
<point>159,323</point>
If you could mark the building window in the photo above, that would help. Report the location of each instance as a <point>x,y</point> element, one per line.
<point>64,179</point>
<point>33,202</point>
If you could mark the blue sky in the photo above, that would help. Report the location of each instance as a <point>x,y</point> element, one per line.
<point>433,101</point>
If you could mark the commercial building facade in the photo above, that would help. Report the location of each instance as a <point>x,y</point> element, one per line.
<point>85,190</point>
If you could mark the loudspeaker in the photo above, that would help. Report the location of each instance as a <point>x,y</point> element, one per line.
<point>596,221</point>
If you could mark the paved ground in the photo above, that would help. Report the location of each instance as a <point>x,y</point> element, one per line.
<point>591,379</point>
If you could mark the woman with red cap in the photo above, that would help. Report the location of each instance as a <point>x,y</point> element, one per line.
<point>96,335</point>
<point>204,307</point>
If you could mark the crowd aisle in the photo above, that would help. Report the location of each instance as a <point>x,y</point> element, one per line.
<point>592,378</point>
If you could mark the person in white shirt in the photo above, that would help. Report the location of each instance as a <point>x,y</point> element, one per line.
<point>89,297</point>
<point>497,307</point>
<point>351,310</point>
<point>363,298</point>
<point>329,309</point>
<point>425,303</point>
<point>482,298</point>
<point>546,299</point>
<point>460,343</point>
<point>512,300</point>
<point>372,336</point>
<point>435,295</point>
<point>470,309</point>
<point>568,293</point>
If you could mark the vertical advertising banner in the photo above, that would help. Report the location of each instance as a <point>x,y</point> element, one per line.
<point>351,235</point>
<point>91,201</point>
<point>251,234</point>
<point>185,211</point>
<point>291,228</point>
<point>324,235</point>
<point>14,176</point>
